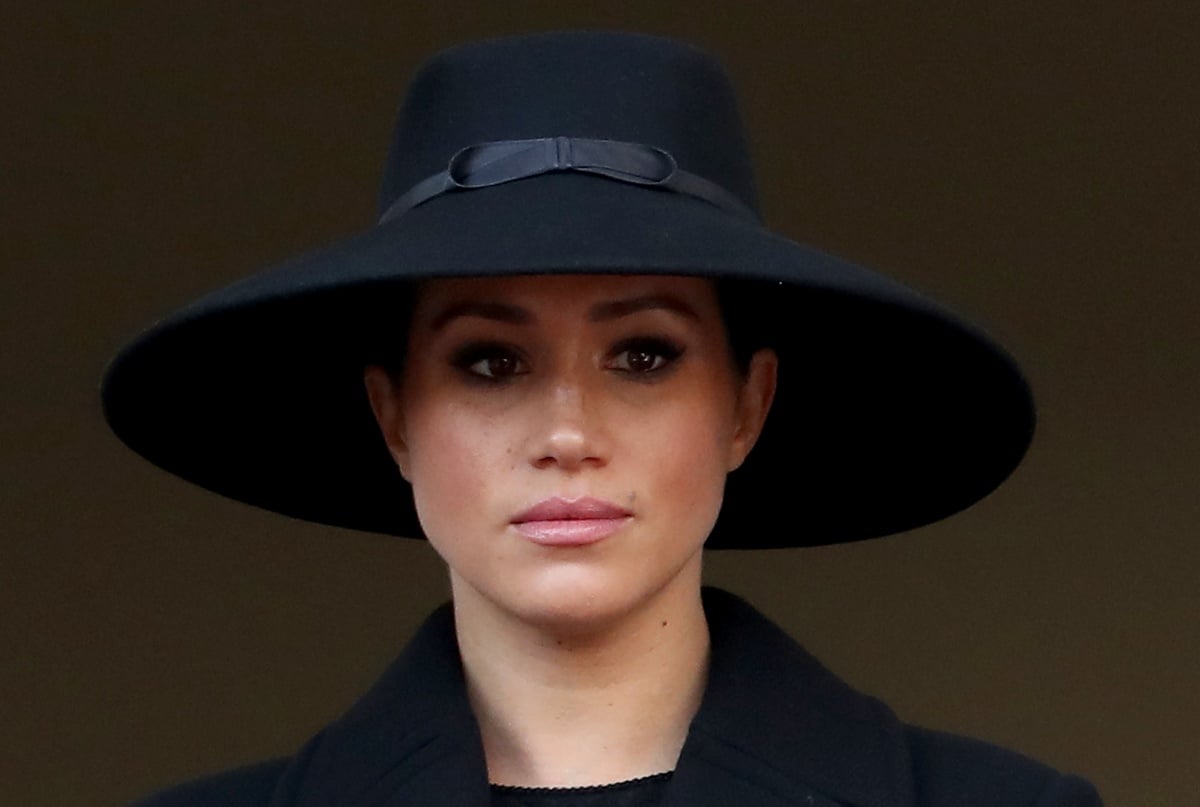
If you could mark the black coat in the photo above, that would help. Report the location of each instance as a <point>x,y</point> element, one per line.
<point>775,728</point>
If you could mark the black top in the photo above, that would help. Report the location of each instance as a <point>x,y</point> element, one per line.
<point>645,792</point>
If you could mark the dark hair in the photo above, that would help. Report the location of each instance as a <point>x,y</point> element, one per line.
<point>743,307</point>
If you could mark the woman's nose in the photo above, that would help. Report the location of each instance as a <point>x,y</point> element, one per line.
<point>570,428</point>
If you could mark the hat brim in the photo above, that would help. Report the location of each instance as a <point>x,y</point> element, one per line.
<point>891,412</point>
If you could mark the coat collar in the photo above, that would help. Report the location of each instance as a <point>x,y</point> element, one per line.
<point>774,728</point>
<point>776,720</point>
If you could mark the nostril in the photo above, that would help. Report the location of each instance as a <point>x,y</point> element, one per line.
<point>568,448</point>
<point>569,434</point>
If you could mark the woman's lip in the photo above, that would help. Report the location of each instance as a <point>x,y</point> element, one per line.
<point>570,522</point>
<point>559,509</point>
<point>570,532</point>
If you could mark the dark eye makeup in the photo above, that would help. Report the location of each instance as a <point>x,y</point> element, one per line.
<point>490,361</point>
<point>642,358</point>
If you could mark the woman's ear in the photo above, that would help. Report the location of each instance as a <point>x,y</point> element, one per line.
<point>753,404</point>
<point>384,395</point>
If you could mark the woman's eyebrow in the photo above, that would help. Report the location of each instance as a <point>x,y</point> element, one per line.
<point>501,312</point>
<point>623,308</point>
<point>515,315</point>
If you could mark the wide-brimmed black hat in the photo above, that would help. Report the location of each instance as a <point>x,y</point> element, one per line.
<point>578,153</point>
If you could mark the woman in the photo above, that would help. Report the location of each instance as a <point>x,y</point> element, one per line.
<point>566,334</point>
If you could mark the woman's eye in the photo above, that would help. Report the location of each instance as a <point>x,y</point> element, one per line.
<point>491,362</point>
<point>644,356</point>
<point>495,367</point>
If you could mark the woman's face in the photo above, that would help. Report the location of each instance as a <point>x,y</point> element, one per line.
<point>567,437</point>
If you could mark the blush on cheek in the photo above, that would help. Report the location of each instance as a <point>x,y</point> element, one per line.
<point>697,486</point>
<point>461,462</point>
<point>705,504</point>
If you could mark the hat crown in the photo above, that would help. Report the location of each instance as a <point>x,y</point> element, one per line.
<point>895,412</point>
<point>601,85</point>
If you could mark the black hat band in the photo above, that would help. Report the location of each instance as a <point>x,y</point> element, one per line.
<point>501,161</point>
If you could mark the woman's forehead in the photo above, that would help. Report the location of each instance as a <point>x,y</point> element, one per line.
<point>597,294</point>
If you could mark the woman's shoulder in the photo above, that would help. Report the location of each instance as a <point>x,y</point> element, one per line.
<point>247,786</point>
<point>952,770</point>
<point>770,697</point>
<point>948,770</point>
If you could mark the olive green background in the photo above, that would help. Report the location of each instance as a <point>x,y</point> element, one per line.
<point>1033,164</point>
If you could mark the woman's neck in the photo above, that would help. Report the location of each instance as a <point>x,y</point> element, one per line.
<point>571,708</point>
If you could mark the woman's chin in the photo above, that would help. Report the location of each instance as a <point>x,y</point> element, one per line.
<point>581,601</point>
<point>574,602</point>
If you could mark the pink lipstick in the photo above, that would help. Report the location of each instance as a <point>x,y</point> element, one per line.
<point>570,522</point>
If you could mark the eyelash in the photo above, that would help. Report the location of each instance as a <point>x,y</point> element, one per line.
<point>660,348</point>
<point>664,352</point>
<point>466,357</point>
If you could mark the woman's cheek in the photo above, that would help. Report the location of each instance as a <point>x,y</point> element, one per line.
<point>689,450</point>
